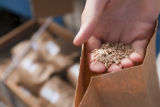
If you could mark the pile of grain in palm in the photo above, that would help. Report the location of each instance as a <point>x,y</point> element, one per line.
<point>111,53</point>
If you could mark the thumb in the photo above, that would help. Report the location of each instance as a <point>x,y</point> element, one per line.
<point>90,17</point>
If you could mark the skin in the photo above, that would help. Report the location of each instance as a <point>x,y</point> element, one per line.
<point>128,21</point>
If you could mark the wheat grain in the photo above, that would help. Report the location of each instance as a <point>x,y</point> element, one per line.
<point>110,53</point>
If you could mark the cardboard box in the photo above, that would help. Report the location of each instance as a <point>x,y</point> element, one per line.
<point>43,8</point>
<point>8,95</point>
<point>55,92</point>
<point>26,30</point>
<point>47,57</point>
<point>19,34</point>
<point>136,86</point>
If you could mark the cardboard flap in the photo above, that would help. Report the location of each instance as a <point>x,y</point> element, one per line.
<point>44,8</point>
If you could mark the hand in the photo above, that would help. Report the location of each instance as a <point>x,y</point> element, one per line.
<point>127,21</point>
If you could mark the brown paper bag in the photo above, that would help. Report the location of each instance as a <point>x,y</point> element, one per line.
<point>17,50</point>
<point>56,93</point>
<point>132,87</point>
<point>33,71</point>
<point>52,51</point>
<point>72,74</point>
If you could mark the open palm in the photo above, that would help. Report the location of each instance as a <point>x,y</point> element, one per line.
<point>128,21</point>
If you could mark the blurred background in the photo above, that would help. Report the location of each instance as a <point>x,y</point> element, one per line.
<point>39,65</point>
